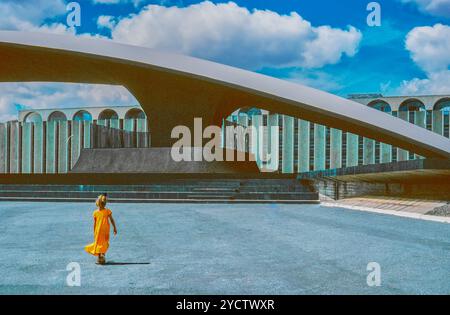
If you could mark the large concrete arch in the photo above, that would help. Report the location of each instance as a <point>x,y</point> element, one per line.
<point>173,89</point>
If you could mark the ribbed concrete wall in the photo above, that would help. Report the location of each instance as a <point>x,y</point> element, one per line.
<point>294,145</point>
<point>305,146</point>
<point>54,146</point>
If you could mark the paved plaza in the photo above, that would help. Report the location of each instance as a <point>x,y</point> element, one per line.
<point>221,249</point>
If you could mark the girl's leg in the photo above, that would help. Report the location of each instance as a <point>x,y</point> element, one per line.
<point>102,259</point>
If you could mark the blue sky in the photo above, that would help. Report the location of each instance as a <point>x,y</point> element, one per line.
<point>326,44</point>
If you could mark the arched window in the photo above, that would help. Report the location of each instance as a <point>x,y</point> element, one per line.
<point>135,113</point>
<point>444,106</point>
<point>33,117</point>
<point>82,115</point>
<point>57,116</point>
<point>250,111</point>
<point>411,106</point>
<point>108,114</point>
<point>381,106</point>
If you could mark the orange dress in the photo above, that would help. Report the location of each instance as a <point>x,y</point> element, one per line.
<point>101,233</point>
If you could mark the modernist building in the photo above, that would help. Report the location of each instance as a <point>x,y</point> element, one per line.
<point>118,113</point>
<point>297,145</point>
<point>316,131</point>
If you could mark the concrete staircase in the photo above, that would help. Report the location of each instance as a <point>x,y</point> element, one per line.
<point>186,190</point>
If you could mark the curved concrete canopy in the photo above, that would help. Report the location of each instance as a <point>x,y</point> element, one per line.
<point>173,89</point>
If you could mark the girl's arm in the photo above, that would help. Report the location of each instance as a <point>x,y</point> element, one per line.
<point>113,224</point>
<point>95,221</point>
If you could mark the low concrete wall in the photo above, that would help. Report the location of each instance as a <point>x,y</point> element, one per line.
<point>342,190</point>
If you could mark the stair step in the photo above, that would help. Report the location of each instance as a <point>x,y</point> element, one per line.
<point>119,200</point>
<point>232,190</point>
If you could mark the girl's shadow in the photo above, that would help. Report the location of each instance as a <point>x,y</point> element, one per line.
<point>113,263</point>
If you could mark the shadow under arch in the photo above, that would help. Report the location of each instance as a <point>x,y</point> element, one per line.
<point>411,104</point>
<point>135,113</point>
<point>82,115</point>
<point>381,106</point>
<point>108,114</point>
<point>57,115</point>
<point>443,104</point>
<point>33,117</point>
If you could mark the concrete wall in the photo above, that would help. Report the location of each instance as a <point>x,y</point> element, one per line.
<point>342,190</point>
<point>294,145</point>
<point>305,146</point>
<point>429,101</point>
<point>95,112</point>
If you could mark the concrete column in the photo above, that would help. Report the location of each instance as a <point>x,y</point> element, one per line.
<point>75,142</point>
<point>403,155</point>
<point>385,153</point>
<point>14,151</point>
<point>438,122</point>
<point>287,163</point>
<point>368,151</point>
<point>335,148</point>
<point>38,148</point>
<point>242,120</point>
<point>128,126</point>
<point>63,147</point>
<point>273,146</point>
<point>257,123</point>
<point>303,145</point>
<point>50,150</point>
<point>222,134</point>
<point>87,130</point>
<point>141,138</point>
<point>27,145</point>
<point>420,120</point>
<point>114,123</point>
<point>102,122</point>
<point>3,148</point>
<point>230,138</point>
<point>352,149</point>
<point>319,147</point>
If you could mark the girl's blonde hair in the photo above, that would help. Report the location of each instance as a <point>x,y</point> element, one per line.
<point>101,202</point>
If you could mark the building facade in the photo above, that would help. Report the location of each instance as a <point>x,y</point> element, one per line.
<point>50,140</point>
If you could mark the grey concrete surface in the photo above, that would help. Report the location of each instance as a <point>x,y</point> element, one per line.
<point>221,249</point>
<point>158,161</point>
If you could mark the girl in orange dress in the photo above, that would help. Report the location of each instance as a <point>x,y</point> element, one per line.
<point>102,216</point>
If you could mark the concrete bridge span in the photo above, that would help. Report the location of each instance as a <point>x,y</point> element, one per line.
<point>173,89</point>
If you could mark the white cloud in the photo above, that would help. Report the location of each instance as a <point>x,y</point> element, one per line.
<point>223,32</point>
<point>234,35</point>
<point>436,83</point>
<point>429,47</point>
<point>433,7</point>
<point>22,14</point>
<point>59,95</point>
<point>105,21</point>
